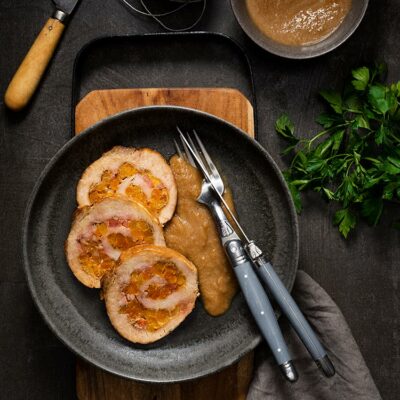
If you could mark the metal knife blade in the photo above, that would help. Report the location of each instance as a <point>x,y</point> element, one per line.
<point>66,6</point>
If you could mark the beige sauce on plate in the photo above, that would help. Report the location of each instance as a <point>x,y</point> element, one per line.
<point>298,22</point>
<point>192,232</point>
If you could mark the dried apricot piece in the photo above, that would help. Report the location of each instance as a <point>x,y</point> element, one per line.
<point>126,170</point>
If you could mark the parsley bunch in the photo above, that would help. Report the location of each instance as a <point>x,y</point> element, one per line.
<point>355,159</point>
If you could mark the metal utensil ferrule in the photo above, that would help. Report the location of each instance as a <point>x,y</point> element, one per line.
<point>253,250</point>
<point>60,15</point>
<point>224,227</point>
<point>236,252</point>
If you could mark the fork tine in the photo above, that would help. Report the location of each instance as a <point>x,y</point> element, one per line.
<point>178,150</point>
<point>209,161</point>
<point>199,162</point>
<point>198,153</point>
<point>188,156</point>
<point>216,176</point>
<point>192,152</point>
<point>179,130</point>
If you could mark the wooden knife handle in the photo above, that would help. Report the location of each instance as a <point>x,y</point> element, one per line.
<point>30,72</point>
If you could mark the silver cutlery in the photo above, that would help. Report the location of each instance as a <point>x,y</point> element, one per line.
<point>252,289</point>
<point>213,182</point>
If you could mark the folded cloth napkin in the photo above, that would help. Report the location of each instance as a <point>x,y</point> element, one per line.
<point>352,381</point>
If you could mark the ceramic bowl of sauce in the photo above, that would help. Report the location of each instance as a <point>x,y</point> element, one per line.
<point>299,28</point>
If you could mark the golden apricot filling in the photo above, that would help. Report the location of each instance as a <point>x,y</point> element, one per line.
<point>111,181</point>
<point>147,319</point>
<point>94,260</point>
<point>93,257</point>
<point>170,280</point>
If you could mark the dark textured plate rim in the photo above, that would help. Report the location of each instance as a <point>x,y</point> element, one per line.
<point>286,53</point>
<point>70,143</point>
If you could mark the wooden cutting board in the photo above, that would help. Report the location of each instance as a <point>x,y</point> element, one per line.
<point>232,383</point>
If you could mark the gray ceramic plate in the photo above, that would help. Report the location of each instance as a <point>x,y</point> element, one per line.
<point>201,344</point>
<point>339,36</point>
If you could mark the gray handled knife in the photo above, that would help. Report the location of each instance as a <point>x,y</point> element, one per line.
<point>30,72</point>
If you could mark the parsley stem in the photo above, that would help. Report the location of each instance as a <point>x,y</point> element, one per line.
<point>348,168</point>
<point>324,133</point>
<point>395,137</point>
<point>344,155</point>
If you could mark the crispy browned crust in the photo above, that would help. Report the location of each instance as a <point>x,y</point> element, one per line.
<point>111,286</point>
<point>143,158</point>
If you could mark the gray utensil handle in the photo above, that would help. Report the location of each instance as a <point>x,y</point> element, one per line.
<point>252,289</point>
<point>290,309</point>
<point>259,305</point>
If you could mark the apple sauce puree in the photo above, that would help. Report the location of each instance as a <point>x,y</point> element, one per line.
<point>298,22</point>
<point>192,232</point>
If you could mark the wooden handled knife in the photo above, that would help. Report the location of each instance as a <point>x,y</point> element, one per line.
<point>27,78</point>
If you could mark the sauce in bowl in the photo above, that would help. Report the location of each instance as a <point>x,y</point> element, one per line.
<point>298,22</point>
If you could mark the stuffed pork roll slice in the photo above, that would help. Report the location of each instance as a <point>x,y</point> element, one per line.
<point>100,233</point>
<point>142,175</point>
<point>150,293</point>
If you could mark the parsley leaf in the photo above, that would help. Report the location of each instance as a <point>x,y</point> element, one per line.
<point>380,134</point>
<point>355,160</point>
<point>346,221</point>
<point>285,127</point>
<point>326,120</point>
<point>377,99</point>
<point>334,99</point>
<point>372,210</point>
<point>361,78</point>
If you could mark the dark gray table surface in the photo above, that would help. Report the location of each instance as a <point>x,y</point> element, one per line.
<point>362,275</point>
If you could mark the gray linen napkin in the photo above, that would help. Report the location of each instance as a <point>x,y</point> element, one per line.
<point>352,381</point>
